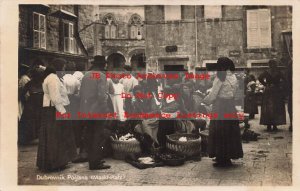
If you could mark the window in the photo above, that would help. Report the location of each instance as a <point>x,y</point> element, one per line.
<point>136,27</point>
<point>259,28</point>
<point>110,27</point>
<point>258,63</point>
<point>68,29</point>
<point>208,62</point>
<point>212,12</point>
<point>172,12</point>
<point>39,30</point>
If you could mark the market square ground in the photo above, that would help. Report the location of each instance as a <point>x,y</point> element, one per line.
<point>266,162</point>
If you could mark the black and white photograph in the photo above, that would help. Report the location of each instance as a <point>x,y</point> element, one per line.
<point>154,94</point>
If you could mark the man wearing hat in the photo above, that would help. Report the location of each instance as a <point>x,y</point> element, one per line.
<point>94,99</point>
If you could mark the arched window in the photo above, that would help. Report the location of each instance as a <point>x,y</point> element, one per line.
<point>135,27</point>
<point>110,26</point>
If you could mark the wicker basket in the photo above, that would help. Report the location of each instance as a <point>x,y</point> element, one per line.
<point>123,148</point>
<point>190,148</point>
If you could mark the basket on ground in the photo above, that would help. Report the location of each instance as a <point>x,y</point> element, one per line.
<point>123,148</point>
<point>190,148</point>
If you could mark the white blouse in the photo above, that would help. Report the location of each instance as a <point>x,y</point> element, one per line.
<point>226,89</point>
<point>71,83</point>
<point>55,93</point>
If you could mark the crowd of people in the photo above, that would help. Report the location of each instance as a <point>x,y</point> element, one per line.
<point>60,87</point>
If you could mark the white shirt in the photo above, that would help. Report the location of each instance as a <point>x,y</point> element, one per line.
<point>71,83</point>
<point>129,84</point>
<point>55,93</point>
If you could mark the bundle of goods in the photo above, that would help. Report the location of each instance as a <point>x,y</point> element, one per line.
<point>185,144</point>
<point>146,160</point>
<point>249,135</point>
<point>127,137</point>
<point>172,159</point>
<point>124,145</point>
<point>141,161</point>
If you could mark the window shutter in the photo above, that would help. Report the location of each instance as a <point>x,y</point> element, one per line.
<point>265,28</point>
<point>43,31</point>
<point>253,36</point>
<point>42,23</point>
<point>43,39</point>
<point>36,35</point>
<point>36,39</point>
<point>259,28</point>
<point>71,39</point>
<point>66,30</point>
<point>66,44</point>
<point>71,30</point>
<point>36,21</point>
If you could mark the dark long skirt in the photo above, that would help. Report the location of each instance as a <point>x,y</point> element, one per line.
<point>30,121</point>
<point>273,107</point>
<point>224,140</point>
<point>56,142</point>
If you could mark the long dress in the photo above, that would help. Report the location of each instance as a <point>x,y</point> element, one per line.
<point>224,140</point>
<point>30,121</point>
<point>250,104</point>
<point>273,108</point>
<point>56,141</point>
<point>118,101</point>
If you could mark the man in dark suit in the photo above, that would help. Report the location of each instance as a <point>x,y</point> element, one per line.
<point>94,99</point>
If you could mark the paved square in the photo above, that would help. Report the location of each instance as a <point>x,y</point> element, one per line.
<point>266,162</point>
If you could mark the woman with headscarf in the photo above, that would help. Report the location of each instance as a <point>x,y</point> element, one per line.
<point>56,141</point>
<point>224,141</point>
<point>273,108</point>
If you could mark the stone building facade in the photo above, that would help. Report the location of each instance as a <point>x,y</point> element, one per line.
<point>120,35</point>
<point>47,32</point>
<point>156,37</point>
<point>250,35</point>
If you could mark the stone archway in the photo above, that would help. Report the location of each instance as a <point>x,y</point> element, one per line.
<point>115,60</point>
<point>138,60</point>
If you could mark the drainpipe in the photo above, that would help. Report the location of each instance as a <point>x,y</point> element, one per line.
<point>196,38</point>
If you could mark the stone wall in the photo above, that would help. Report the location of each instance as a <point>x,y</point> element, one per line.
<point>87,29</point>
<point>171,33</point>
<point>122,44</point>
<point>54,44</point>
<point>215,37</point>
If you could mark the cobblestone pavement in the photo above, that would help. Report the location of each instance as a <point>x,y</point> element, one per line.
<point>266,162</point>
